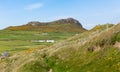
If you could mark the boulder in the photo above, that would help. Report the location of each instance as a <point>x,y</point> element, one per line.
<point>5,54</point>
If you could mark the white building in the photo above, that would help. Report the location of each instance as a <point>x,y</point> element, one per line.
<point>38,40</point>
<point>50,41</point>
<point>41,41</point>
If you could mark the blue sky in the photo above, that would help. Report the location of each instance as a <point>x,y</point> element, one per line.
<point>88,12</point>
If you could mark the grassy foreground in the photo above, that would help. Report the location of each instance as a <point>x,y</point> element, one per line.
<point>91,51</point>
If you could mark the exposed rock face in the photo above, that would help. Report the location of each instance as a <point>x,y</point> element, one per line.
<point>33,23</point>
<point>68,21</point>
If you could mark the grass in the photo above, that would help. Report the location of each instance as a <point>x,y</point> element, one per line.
<point>16,41</point>
<point>72,55</point>
<point>76,58</point>
<point>32,35</point>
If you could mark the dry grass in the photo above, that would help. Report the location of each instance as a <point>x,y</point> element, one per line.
<point>71,54</point>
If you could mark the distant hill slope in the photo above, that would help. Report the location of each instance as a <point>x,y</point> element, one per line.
<point>102,27</point>
<point>62,25</point>
<point>91,51</point>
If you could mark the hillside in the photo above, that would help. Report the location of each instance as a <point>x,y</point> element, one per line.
<point>62,25</point>
<point>102,27</point>
<point>91,51</point>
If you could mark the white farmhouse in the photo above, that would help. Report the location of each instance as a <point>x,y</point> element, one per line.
<point>41,41</point>
<point>38,41</point>
<point>50,41</point>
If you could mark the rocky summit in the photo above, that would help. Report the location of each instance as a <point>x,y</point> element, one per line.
<point>61,21</point>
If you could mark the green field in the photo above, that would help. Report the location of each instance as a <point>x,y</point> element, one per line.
<point>16,41</point>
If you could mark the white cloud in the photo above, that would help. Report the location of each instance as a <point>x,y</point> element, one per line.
<point>34,6</point>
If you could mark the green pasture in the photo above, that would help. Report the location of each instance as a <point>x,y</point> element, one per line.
<point>16,41</point>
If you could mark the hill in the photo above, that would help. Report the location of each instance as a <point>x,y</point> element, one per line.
<point>62,25</point>
<point>91,51</point>
<point>102,27</point>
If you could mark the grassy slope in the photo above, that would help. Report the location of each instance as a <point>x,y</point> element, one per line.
<point>49,28</point>
<point>71,55</point>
